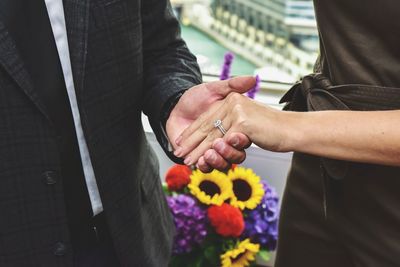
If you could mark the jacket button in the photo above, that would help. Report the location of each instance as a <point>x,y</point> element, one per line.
<point>50,177</point>
<point>60,249</point>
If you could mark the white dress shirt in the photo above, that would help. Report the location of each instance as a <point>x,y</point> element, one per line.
<point>55,9</point>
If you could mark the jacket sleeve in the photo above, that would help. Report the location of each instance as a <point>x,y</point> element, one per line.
<point>168,66</point>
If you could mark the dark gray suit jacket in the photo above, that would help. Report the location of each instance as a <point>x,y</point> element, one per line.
<point>127,57</point>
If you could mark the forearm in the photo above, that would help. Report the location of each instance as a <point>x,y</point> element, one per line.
<point>168,65</point>
<point>366,136</point>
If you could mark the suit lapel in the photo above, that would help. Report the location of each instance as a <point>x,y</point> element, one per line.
<point>77,23</point>
<point>12,63</point>
<point>76,16</point>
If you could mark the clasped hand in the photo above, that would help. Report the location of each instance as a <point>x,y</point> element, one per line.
<point>199,142</point>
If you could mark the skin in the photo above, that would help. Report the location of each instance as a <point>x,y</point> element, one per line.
<point>201,99</point>
<point>362,136</point>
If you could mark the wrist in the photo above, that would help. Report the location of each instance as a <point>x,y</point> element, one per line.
<point>293,131</point>
<point>169,107</point>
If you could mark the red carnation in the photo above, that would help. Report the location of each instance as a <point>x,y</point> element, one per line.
<point>177,177</point>
<point>227,220</point>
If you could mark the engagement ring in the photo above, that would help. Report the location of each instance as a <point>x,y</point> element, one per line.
<point>218,124</point>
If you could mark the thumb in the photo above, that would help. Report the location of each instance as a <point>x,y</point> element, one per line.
<point>240,85</point>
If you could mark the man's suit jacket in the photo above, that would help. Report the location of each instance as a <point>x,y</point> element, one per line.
<point>127,57</point>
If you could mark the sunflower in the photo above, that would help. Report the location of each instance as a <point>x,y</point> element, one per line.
<point>247,188</point>
<point>241,255</point>
<point>210,188</point>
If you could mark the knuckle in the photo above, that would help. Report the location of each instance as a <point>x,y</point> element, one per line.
<point>203,128</point>
<point>230,96</point>
<point>237,109</point>
<point>241,121</point>
<point>185,136</point>
<point>233,97</point>
<point>202,122</point>
<point>236,97</point>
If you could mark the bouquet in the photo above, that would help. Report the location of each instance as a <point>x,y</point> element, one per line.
<point>221,219</point>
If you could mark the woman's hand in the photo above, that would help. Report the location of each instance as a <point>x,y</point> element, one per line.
<point>244,120</point>
<point>361,136</point>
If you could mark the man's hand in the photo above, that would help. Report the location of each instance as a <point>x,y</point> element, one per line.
<point>196,101</point>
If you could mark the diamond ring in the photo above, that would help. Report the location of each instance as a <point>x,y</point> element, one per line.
<point>218,124</point>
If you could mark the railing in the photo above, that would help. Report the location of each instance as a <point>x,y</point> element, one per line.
<point>270,91</point>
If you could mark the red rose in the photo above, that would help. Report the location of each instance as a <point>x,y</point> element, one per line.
<point>227,220</point>
<point>177,177</point>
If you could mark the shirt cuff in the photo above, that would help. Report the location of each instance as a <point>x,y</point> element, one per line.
<point>165,112</point>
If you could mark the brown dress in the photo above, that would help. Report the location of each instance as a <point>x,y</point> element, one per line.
<point>348,214</point>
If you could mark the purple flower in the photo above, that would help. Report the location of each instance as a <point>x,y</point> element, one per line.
<point>226,68</point>
<point>190,222</point>
<point>252,92</point>
<point>262,222</point>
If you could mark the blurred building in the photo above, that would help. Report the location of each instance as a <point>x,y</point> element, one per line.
<point>281,33</point>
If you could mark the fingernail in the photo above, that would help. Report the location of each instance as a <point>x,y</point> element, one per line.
<point>178,140</point>
<point>235,142</point>
<point>178,151</point>
<point>187,161</point>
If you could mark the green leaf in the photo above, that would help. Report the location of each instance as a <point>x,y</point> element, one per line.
<point>229,243</point>
<point>191,259</point>
<point>210,253</point>
<point>212,250</point>
<point>175,261</point>
<point>265,255</point>
<point>165,189</point>
<point>186,190</point>
<point>197,262</point>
